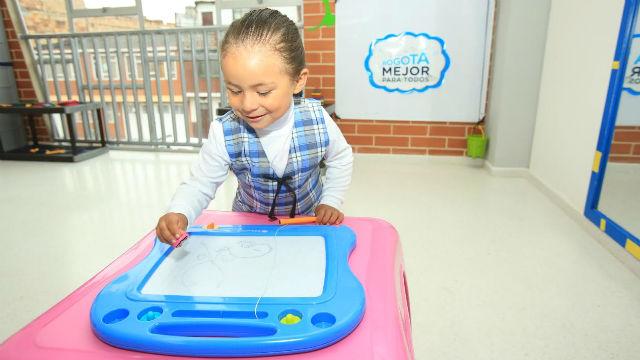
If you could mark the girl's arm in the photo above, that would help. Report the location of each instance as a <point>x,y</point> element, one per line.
<point>339,161</point>
<point>207,174</point>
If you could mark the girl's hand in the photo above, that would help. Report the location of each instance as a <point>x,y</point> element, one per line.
<point>328,215</point>
<point>170,226</point>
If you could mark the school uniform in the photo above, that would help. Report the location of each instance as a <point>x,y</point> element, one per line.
<point>278,167</point>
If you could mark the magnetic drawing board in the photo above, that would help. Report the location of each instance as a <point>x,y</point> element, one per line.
<point>242,266</point>
<point>250,290</point>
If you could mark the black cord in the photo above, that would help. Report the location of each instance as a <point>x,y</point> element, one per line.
<point>279,182</point>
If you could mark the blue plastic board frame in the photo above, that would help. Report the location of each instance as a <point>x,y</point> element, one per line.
<point>124,317</point>
<point>621,235</point>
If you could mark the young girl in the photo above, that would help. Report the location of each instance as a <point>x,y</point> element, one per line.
<point>272,143</point>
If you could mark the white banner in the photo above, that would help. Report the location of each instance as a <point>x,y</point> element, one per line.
<point>412,60</point>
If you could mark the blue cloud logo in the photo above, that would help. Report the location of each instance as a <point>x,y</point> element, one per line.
<point>407,62</point>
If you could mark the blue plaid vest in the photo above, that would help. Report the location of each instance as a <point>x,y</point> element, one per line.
<point>258,184</point>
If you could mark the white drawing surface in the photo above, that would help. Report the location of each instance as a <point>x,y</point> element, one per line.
<point>242,266</point>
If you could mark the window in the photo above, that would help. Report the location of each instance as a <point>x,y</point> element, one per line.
<point>103,67</point>
<point>227,15</point>
<point>57,66</point>
<point>178,111</point>
<point>137,64</point>
<point>238,13</point>
<point>109,116</point>
<point>207,18</point>
<point>214,69</point>
<point>151,67</point>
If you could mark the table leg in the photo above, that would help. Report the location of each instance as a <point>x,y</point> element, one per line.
<point>72,133</point>
<point>32,127</point>
<point>103,140</point>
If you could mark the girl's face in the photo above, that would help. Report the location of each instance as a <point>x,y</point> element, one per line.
<point>259,88</point>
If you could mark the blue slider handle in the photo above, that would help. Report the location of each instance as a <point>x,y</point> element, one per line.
<point>212,329</point>
<point>217,338</point>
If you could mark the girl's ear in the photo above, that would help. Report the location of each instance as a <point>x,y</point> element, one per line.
<point>301,81</point>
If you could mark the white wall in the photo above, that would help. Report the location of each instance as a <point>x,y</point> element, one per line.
<point>519,41</point>
<point>581,41</point>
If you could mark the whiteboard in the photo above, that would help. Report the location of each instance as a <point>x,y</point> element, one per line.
<point>451,38</point>
<point>242,266</point>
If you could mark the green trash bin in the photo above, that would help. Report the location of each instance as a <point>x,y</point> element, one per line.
<point>477,143</point>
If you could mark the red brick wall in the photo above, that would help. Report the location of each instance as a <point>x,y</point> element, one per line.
<point>26,91</point>
<point>395,136</point>
<point>625,147</point>
<point>25,87</point>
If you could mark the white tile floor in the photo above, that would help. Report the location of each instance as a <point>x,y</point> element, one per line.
<point>495,269</point>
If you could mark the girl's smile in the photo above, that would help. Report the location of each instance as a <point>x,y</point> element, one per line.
<point>254,118</point>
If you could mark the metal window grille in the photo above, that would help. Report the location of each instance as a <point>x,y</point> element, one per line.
<point>159,88</point>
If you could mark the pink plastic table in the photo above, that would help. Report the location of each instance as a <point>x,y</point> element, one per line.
<point>64,332</point>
